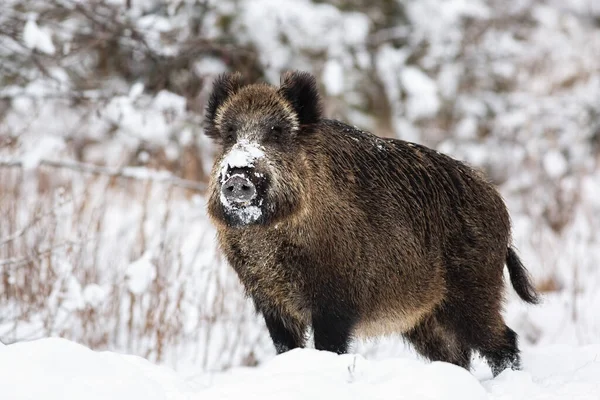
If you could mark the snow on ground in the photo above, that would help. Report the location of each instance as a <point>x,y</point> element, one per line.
<point>55,368</point>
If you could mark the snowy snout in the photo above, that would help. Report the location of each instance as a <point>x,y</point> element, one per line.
<point>238,189</point>
<point>241,186</point>
<point>242,196</point>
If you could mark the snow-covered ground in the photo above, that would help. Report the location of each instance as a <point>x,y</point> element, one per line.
<point>57,369</point>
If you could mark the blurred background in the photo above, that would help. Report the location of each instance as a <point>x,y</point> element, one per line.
<point>104,237</point>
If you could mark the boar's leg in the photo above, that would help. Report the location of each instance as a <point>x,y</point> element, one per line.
<point>476,316</point>
<point>502,351</point>
<point>333,329</point>
<point>438,342</point>
<point>286,332</point>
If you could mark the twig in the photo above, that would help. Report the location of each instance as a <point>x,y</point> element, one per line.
<point>20,232</point>
<point>137,173</point>
<point>18,261</point>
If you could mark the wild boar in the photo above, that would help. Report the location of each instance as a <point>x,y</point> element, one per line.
<point>333,228</point>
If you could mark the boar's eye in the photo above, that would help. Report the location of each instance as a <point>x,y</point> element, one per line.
<point>230,134</point>
<point>276,130</point>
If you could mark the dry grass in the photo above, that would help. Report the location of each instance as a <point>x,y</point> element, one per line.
<point>66,244</point>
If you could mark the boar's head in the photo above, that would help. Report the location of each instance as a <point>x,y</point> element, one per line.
<point>262,131</point>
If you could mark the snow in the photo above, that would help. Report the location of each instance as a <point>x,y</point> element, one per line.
<point>59,369</point>
<point>166,101</point>
<point>302,374</point>
<point>555,164</point>
<point>36,38</point>
<point>72,297</point>
<point>423,100</point>
<point>136,117</point>
<point>136,90</point>
<point>46,147</point>
<point>243,154</point>
<point>248,214</point>
<point>54,368</point>
<point>94,295</point>
<point>145,173</point>
<point>305,26</point>
<point>210,66</point>
<point>333,77</point>
<point>449,78</point>
<point>140,274</point>
<point>467,128</point>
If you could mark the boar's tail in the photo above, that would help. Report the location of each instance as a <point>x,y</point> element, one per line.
<point>520,279</point>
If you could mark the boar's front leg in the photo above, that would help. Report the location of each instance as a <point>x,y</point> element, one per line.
<point>286,332</point>
<point>332,326</point>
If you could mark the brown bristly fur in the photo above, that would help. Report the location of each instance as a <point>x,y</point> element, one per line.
<point>360,235</point>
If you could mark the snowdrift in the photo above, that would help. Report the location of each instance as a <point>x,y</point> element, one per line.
<point>55,368</point>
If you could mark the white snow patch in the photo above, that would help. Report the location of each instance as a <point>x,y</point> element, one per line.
<point>72,296</point>
<point>555,164</point>
<point>142,173</point>
<point>423,99</point>
<point>94,295</point>
<point>333,78</point>
<point>406,130</point>
<point>294,26</point>
<point>210,66</point>
<point>302,374</point>
<point>389,61</point>
<point>249,214</point>
<point>44,147</point>
<point>437,20</point>
<point>242,155</point>
<point>140,274</point>
<point>467,128</point>
<point>171,152</point>
<point>54,369</point>
<point>136,90</point>
<point>36,38</point>
<point>449,78</point>
<point>143,157</point>
<point>186,137</point>
<point>139,116</point>
<point>591,187</point>
<point>169,101</point>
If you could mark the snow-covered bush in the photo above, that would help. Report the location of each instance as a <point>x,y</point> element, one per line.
<point>104,238</point>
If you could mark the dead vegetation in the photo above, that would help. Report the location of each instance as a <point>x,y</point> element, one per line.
<point>68,256</point>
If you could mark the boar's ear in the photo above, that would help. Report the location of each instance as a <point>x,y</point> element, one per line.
<point>224,86</point>
<point>301,90</point>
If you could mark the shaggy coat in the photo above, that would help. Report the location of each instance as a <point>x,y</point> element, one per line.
<point>354,235</point>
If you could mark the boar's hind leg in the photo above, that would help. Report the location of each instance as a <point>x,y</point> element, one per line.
<point>501,351</point>
<point>286,332</point>
<point>438,342</point>
<point>481,325</point>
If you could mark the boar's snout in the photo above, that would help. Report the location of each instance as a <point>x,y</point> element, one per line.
<point>238,189</point>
